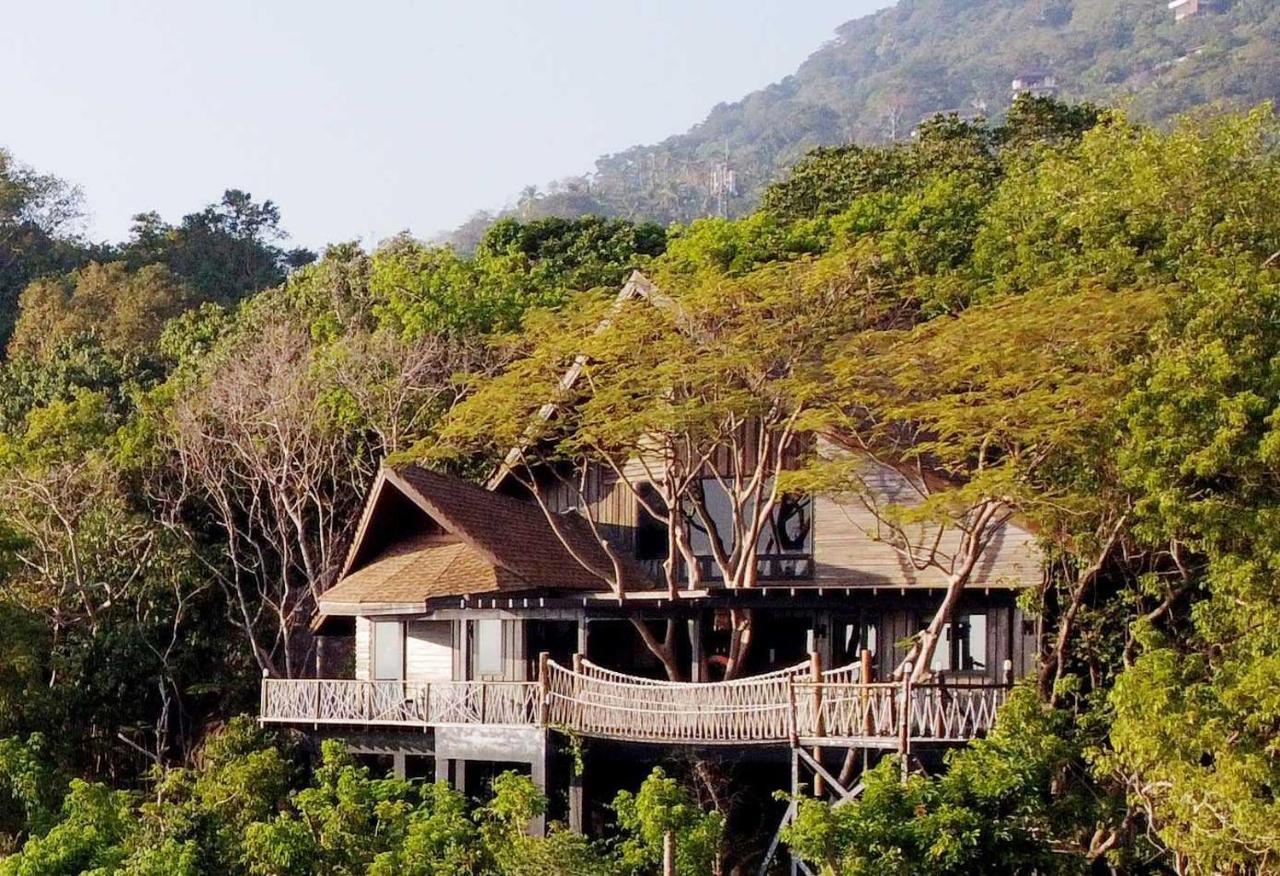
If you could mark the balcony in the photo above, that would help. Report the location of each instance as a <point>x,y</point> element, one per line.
<point>400,703</point>
<point>769,567</point>
<point>789,706</point>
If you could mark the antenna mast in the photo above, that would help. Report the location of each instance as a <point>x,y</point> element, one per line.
<point>724,184</point>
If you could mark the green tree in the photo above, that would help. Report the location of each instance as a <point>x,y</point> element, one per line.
<point>661,808</point>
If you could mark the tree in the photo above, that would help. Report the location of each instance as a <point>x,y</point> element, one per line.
<point>689,398</point>
<point>984,415</point>
<point>37,212</point>
<point>126,309</point>
<point>661,814</point>
<point>108,583</point>
<point>226,251</point>
<point>259,449</point>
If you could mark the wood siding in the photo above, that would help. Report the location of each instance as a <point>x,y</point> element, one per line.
<point>850,546</point>
<point>364,648</point>
<point>428,651</point>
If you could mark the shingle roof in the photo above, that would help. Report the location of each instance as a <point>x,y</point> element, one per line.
<point>417,570</point>
<point>491,543</point>
<point>516,535</point>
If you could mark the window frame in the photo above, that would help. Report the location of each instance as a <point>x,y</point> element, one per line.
<point>376,630</point>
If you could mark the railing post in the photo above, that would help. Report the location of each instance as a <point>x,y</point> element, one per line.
<point>819,724</point>
<point>544,687</point>
<point>939,717</point>
<point>315,707</point>
<point>865,675</point>
<point>262,694</point>
<point>793,733</point>
<point>904,720</point>
<point>577,713</point>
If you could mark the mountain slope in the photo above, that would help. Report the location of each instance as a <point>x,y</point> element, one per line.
<point>885,72</point>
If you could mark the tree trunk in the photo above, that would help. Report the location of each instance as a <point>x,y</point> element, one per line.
<point>921,654</point>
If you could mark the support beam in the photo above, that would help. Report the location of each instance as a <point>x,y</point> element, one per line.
<point>821,772</point>
<point>697,658</point>
<point>577,801</point>
<point>538,770</point>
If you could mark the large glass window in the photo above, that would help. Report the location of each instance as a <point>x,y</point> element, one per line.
<point>963,646</point>
<point>853,636</point>
<point>651,533</point>
<point>971,643</point>
<point>388,650</point>
<point>787,534</point>
<point>488,647</point>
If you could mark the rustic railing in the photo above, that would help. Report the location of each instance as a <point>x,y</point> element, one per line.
<point>400,703</point>
<point>601,703</point>
<point>795,705</point>
<point>769,567</point>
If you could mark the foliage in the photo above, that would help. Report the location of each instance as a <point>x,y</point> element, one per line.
<point>516,266</point>
<point>884,75</point>
<point>248,810</point>
<point>1011,803</point>
<point>1196,716</point>
<point>127,310</point>
<point>37,214</point>
<point>660,807</point>
<point>224,252</point>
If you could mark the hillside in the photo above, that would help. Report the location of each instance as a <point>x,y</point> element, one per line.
<point>883,73</point>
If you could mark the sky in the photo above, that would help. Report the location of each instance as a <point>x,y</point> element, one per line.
<point>363,119</point>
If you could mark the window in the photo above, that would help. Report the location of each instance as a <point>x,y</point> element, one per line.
<point>488,647</point>
<point>388,650</point>
<point>963,646</point>
<point>854,637</point>
<point>793,523</point>
<point>651,533</point>
<point>971,643</point>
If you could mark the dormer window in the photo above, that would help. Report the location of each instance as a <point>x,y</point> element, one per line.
<point>651,533</point>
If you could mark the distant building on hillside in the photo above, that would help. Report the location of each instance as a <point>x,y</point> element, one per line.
<point>1037,83</point>
<point>975,112</point>
<point>1184,9</point>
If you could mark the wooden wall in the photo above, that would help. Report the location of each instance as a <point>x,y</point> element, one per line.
<point>428,651</point>
<point>364,649</point>
<point>851,547</point>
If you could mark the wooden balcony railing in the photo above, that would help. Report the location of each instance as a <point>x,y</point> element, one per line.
<point>769,567</point>
<point>400,703</point>
<point>791,706</point>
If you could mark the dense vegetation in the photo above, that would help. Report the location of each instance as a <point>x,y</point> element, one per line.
<point>1071,315</point>
<point>884,73</point>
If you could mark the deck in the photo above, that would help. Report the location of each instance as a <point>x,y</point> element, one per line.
<point>793,706</point>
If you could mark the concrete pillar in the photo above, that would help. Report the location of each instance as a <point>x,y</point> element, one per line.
<point>442,769</point>
<point>696,654</point>
<point>577,796</point>
<point>538,772</point>
<point>398,765</point>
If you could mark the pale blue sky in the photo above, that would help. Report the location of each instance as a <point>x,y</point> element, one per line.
<point>361,119</point>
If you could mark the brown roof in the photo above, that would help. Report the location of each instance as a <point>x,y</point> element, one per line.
<point>490,543</point>
<point>417,570</point>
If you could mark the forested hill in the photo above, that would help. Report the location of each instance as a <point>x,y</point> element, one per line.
<point>885,72</point>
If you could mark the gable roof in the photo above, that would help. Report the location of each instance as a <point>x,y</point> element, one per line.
<point>415,570</point>
<point>487,542</point>
<point>637,288</point>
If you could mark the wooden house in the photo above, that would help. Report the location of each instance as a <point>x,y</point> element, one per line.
<point>485,636</point>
